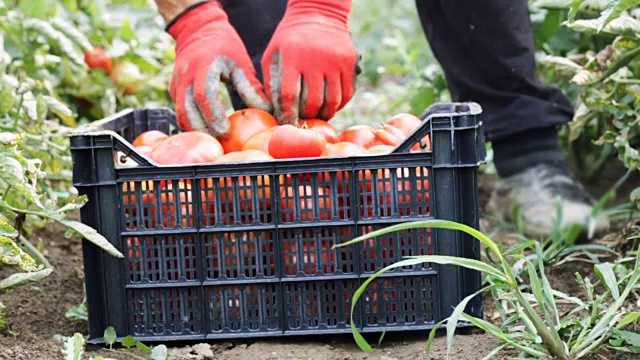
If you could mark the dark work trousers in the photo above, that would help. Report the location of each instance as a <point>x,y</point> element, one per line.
<point>486,51</point>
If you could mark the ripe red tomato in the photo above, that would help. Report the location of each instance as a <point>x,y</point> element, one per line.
<point>343,149</point>
<point>388,135</point>
<point>407,123</point>
<point>190,147</point>
<point>260,141</point>
<point>125,75</point>
<point>168,204</point>
<point>149,138</point>
<point>380,149</point>
<point>305,204</point>
<point>309,260</point>
<point>323,127</point>
<point>145,150</point>
<point>244,191</point>
<point>384,182</point>
<point>242,125</point>
<point>97,59</point>
<point>244,156</point>
<point>288,141</point>
<point>362,135</point>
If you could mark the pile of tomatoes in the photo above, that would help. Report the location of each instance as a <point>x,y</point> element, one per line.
<point>255,135</point>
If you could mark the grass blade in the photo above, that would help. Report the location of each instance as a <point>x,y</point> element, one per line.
<point>464,262</point>
<point>608,277</point>
<point>628,319</point>
<point>547,290</point>
<point>495,331</point>
<point>432,335</point>
<point>438,224</point>
<point>457,311</point>
<point>536,289</point>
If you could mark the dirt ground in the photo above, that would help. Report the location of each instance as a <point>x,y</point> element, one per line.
<point>36,313</point>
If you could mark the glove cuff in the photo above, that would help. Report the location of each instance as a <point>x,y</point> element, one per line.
<point>337,9</point>
<point>190,15</point>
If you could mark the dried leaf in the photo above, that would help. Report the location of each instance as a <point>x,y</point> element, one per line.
<point>584,77</point>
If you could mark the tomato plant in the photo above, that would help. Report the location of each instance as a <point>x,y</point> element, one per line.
<point>289,141</point>
<point>189,147</point>
<point>243,124</point>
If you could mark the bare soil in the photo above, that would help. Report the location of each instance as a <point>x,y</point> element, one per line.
<point>36,314</point>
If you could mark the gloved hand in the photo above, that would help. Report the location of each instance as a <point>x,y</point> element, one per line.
<point>309,65</point>
<point>209,50</point>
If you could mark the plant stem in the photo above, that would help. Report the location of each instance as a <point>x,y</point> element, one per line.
<point>549,336</point>
<point>26,246</point>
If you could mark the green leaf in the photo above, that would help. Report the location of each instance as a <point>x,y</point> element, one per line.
<point>425,97</point>
<point>61,110</point>
<point>142,347</point>
<point>41,108</point>
<point>128,341</point>
<point>74,347</point>
<point>3,314</point>
<point>536,289</point>
<point>12,172</point>
<point>444,224</point>
<point>573,8</point>
<point>629,337</point>
<point>608,277</point>
<point>432,335</point>
<point>44,9</point>
<point>496,332</point>
<point>18,279</point>
<point>7,230</point>
<point>78,313</point>
<point>452,321</point>
<point>110,335</point>
<point>6,99</point>
<point>628,319</point>
<point>159,352</point>
<point>62,44</point>
<point>92,235</point>
<point>613,10</point>
<point>71,32</point>
<point>11,254</point>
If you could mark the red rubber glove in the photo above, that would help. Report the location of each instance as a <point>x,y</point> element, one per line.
<point>209,50</point>
<point>309,65</point>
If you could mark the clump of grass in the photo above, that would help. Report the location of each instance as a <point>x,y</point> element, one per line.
<point>539,333</point>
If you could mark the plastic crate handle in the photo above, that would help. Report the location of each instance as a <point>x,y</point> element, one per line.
<point>436,110</point>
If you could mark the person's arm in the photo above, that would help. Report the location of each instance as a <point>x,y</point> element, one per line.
<point>169,9</point>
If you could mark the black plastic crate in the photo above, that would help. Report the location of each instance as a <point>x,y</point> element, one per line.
<point>239,250</point>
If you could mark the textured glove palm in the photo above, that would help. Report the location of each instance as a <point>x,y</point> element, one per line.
<point>309,65</point>
<point>209,50</point>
